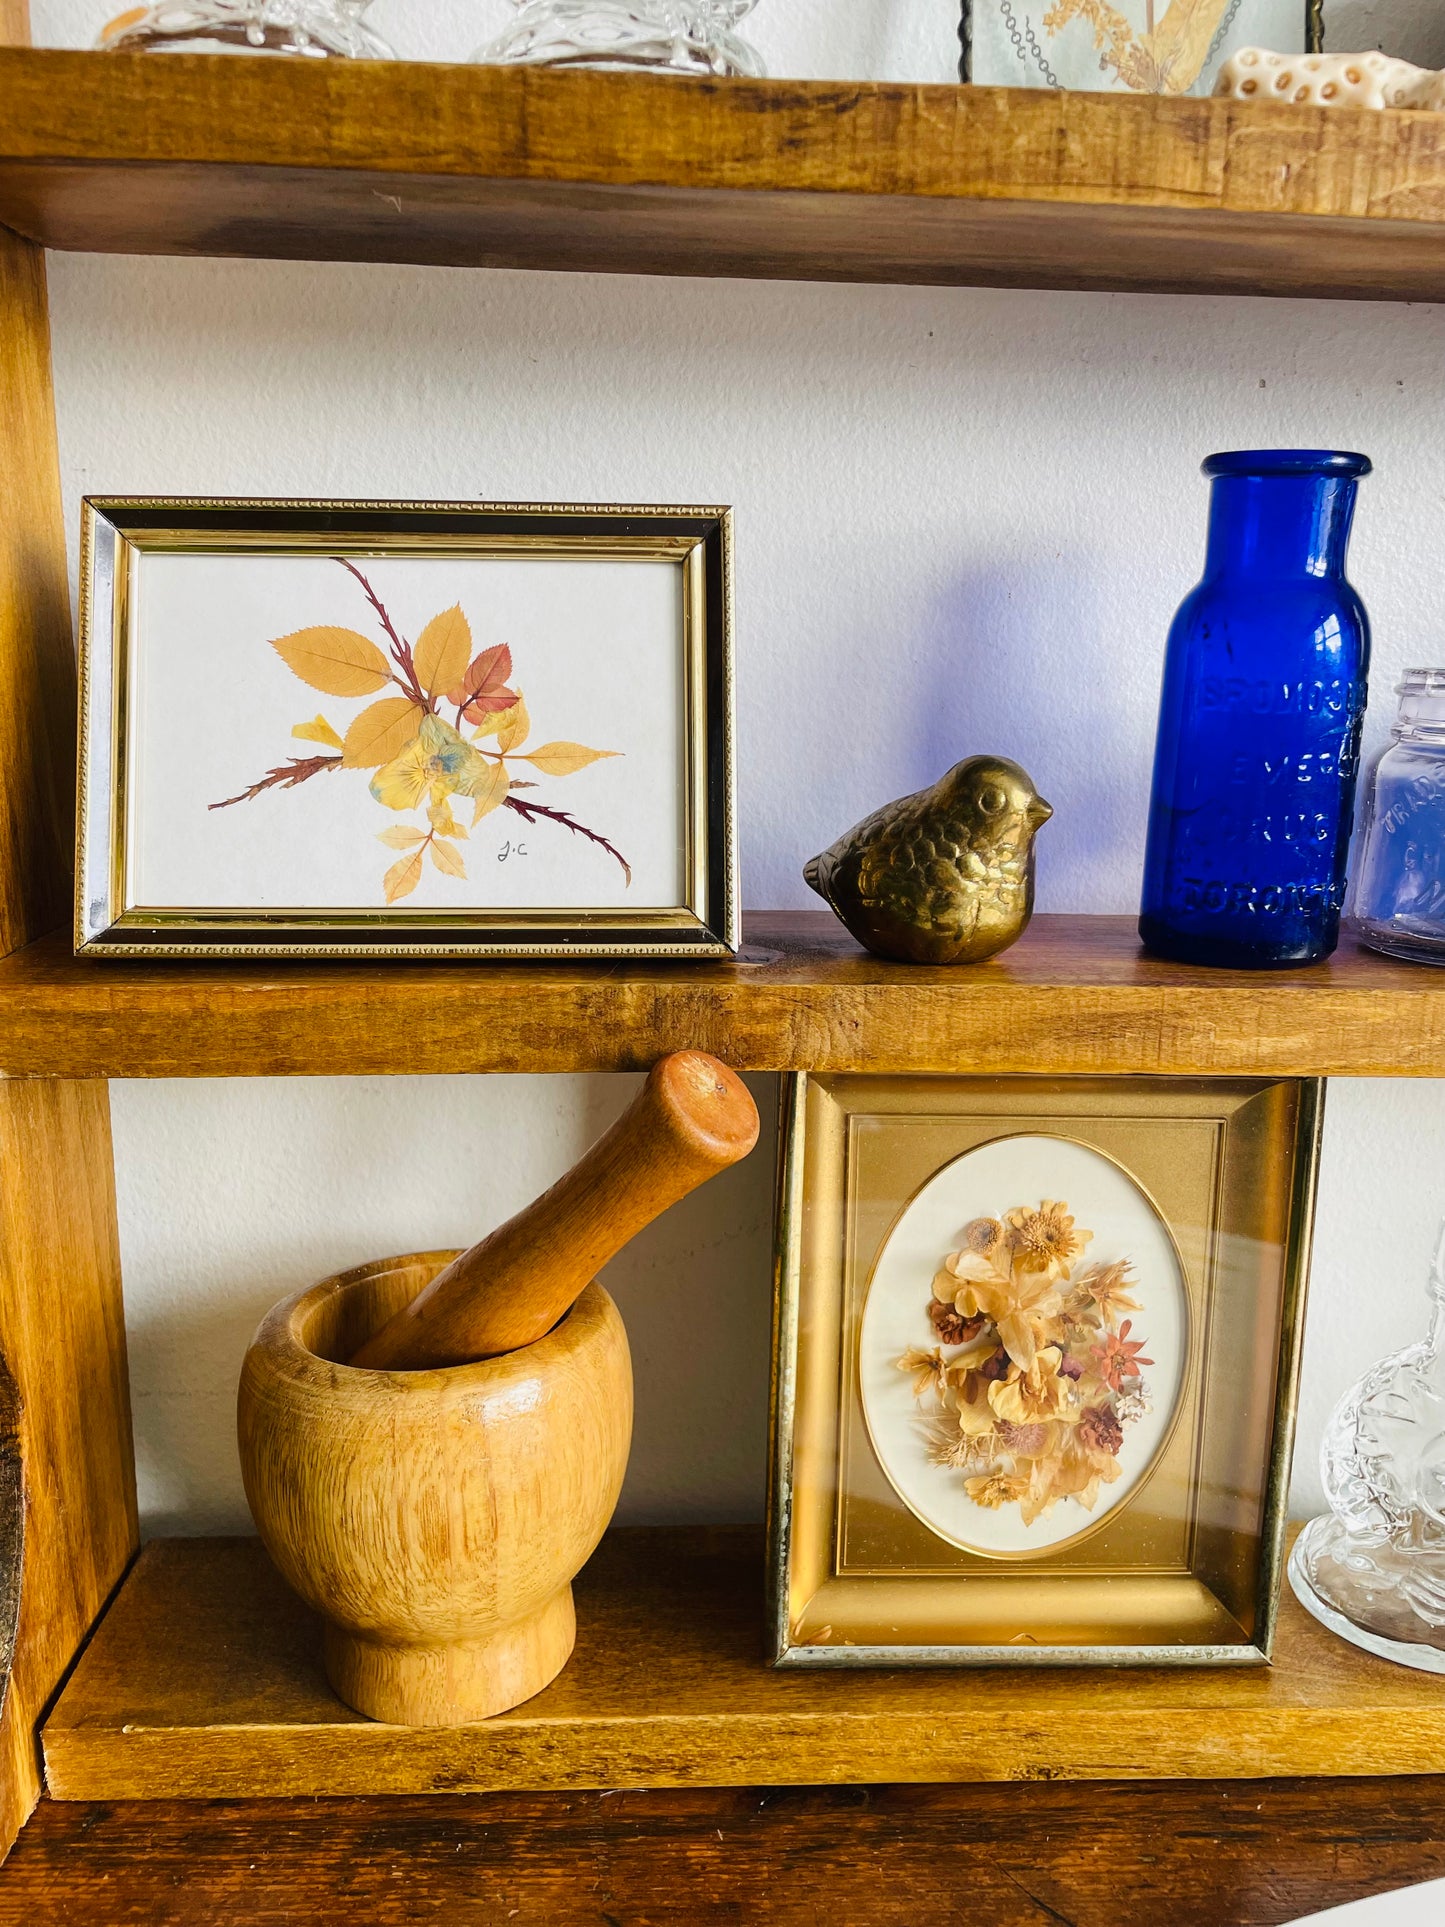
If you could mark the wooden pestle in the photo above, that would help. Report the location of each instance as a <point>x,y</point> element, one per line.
<point>693,1118</point>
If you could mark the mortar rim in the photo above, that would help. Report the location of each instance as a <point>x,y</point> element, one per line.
<point>279,1340</point>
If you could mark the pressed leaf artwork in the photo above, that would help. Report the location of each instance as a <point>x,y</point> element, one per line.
<point>451,738</point>
<point>1037,1372</point>
<point>1166,56</point>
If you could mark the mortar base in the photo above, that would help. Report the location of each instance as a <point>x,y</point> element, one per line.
<point>452,1685</point>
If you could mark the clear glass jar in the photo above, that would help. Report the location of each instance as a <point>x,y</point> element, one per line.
<point>322,29</point>
<point>1398,900</point>
<point>677,36</point>
<point>1372,1568</point>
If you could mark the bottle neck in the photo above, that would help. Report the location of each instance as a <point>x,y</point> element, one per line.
<point>1280,525</point>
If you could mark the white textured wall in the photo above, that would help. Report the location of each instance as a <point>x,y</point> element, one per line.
<point>964,518</point>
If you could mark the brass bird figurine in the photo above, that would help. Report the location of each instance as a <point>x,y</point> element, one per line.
<point>942,877</point>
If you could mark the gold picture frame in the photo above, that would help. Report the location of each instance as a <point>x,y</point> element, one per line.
<point>692,793</point>
<point>883,1552</point>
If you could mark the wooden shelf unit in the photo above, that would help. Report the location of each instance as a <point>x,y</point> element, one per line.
<point>1075,997</point>
<point>205,1668</point>
<point>204,1682</point>
<point>799,180</point>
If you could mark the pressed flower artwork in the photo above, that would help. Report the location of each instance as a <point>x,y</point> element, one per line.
<point>1020,1371</point>
<point>1035,1367</point>
<point>355,727</point>
<point>1130,46</point>
<point>429,762</point>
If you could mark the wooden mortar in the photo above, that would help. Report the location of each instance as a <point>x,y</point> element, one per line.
<point>434,1519</point>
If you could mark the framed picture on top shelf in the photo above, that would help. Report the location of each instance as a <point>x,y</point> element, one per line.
<point>1036,1357</point>
<point>404,729</point>
<point>1126,46</point>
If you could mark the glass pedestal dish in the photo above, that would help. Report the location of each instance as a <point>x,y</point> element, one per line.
<point>1372,1568</point>
<point>673,36</point>
<point>321,29</point>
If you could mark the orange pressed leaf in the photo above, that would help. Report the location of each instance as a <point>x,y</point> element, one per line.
<point>448,860</point>
<point>381,733</point>
<point>565,759</point>
<point>513,726</point>
<point>318,730</point>
<point>483,690</point>
<point>488,787</point>
<point>338,662</point>
<point>441,651</point>
<point>401,838</point>
<point>402,878</point>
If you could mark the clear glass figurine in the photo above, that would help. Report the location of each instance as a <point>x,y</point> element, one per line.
<point>323,29</point>
<point>681,36</point>
<point>1372,1568</point>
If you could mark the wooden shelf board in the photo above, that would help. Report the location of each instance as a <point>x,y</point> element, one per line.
<point>636,173</point>
<point>204,1682</point>
<point>1189,1853</point>
<point>1075,997</point>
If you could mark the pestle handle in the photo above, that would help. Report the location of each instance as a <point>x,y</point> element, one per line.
<point>691,1119</point>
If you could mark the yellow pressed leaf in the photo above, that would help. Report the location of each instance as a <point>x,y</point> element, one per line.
<point>318,731</point>
<point>448,860</point>
<point>402,878</point>
<point>565,759</point>
<point>401,838</point>
<point>381,733</point>
<point>443,650</point>
<point>489,786</point>
<point>338,662</point>
<point>442,820</point>
<point>515,723</point>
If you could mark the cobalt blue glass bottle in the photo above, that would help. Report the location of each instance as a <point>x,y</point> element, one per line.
<point>1259,723</point>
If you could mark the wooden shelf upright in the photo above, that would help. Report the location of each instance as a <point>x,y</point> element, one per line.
<point>201,1679</point>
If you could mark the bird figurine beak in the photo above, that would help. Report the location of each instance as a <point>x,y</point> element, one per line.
<point>1040,811</point>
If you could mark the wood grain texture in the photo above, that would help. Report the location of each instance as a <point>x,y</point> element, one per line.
<point>63,1335</point>
<point>436,1519</point>
<point>205,1682</point>
<point>37,653</point>
<point>1128,1855</point>
<point>692,1119</point>
<point>1076,996</point>
<point>640,173</point>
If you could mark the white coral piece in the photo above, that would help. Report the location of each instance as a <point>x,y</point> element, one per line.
<point>1329,80</point>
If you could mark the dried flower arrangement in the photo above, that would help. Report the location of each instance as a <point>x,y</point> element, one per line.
<point>1035,1376</point>
<point>420,758</point>
<point>1166,58</point>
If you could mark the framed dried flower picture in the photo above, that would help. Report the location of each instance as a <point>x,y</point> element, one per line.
<point>360,728</point>
<point>1126,46</point>
<point>1036,1355</point>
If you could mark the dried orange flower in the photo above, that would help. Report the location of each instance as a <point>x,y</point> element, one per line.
<point>994,1489</point>
<point>982,1235</point>
<point>1026,1398</point>
<point>927,1368</point>
<point>1045,1240</point>
<point>1119,1357</point>
<point>1106,1287</point>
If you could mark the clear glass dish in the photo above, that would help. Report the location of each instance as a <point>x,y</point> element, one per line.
<point>320,29</point>
<point>1372,1568</point>
<point>674,36</point>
